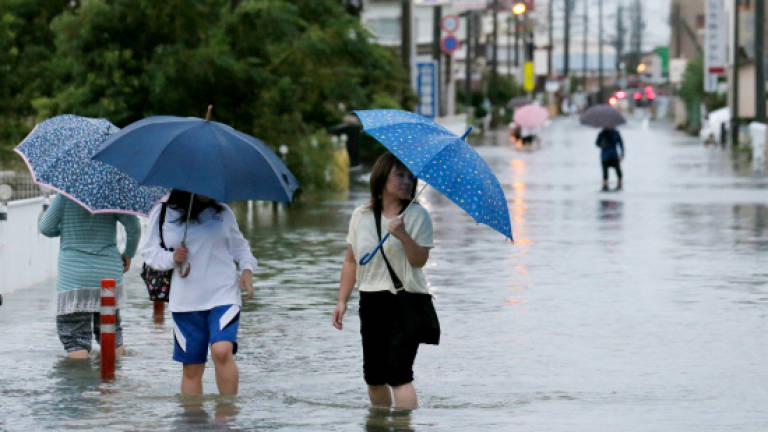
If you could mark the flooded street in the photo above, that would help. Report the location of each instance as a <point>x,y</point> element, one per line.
<point>639,310</point>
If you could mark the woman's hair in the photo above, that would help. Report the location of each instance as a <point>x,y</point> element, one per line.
<point>179,201</point>
<point>378,182</point>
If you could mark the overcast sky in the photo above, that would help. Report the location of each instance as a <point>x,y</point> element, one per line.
<point>656,17</point>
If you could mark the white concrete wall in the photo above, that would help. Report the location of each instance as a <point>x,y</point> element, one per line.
<point>26,256</point>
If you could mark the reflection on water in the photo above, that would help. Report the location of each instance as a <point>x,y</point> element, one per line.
<point>388,420</point>
<point>76,387</point>
<point>197,415</point>
<point>610,210</point>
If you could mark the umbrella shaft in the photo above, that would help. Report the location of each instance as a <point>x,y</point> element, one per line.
<point>414,198</point>
<point>189,213</point>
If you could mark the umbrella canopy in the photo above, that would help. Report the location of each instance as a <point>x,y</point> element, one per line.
<point>58,154</point>
<point>199,156</point>
<point>518,102</point>
<point>442,160</point>
<point>602,116</point>
<point>530,116</point>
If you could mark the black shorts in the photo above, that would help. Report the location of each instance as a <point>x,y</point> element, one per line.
<point>613,163</point>
<point>388,351</point>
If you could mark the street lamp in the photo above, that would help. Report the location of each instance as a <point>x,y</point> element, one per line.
<point>519,8</point>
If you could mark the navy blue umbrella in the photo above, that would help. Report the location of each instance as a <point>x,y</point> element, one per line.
<point>444,161</point>
<point>58,154</point>
<point>602,116</point>
<point>199,156</point>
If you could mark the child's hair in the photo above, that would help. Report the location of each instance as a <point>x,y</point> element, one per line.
<point>179,201</point>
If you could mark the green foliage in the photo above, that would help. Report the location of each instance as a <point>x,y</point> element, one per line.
<point>281,70</point>
<point>692,92</point>
<point>692,87</point>
<point>26,47</point>
<point>319,163</point>
<point>506,89</point>
<point>713,101</point>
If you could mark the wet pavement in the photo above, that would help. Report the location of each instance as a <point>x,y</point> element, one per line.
<point>639,310</point>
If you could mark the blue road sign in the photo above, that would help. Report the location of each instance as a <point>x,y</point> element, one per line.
<point>449,44</point>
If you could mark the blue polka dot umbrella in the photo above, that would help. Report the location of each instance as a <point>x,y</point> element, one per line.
<point>444,161</point>
<point>58,154</point>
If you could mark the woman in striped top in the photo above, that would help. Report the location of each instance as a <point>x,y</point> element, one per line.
<point>87,254</point>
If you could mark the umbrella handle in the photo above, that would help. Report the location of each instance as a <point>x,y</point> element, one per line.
<point>369,256</point>
<point>184,272</point>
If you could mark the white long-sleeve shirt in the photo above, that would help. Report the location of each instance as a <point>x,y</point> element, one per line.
<point>215,243</point>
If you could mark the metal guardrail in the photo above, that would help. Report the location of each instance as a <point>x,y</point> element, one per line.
<point>22,185</point>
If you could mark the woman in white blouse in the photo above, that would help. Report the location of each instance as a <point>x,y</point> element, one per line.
<point>205,304</point>
<point>389,348</point>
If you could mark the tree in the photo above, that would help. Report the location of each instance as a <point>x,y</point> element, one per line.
<point>26,45</point>
<point>280,70</point>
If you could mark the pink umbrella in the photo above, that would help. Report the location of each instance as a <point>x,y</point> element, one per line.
<point>530,116</point>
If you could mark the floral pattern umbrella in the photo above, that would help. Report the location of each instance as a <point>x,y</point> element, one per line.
<point>58,154</point>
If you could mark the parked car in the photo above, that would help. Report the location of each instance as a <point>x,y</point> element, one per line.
<point>715,126</point>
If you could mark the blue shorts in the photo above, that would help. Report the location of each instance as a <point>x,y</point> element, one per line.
<point>194,331</point>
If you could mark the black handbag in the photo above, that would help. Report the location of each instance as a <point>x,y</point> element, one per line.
<point>158,282</point>
<point>419,311</point>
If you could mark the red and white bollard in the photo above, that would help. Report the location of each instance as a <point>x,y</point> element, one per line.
<point>108,324</point>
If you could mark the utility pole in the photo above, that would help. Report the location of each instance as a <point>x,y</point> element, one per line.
<point>735,83</point>
<point>468,62</point>
<point>406,16</point>
<point>509,46</point>
<point>759,64</point>
<point>437,16</point>
<point>600,50</point>
<point>619,38</point>
<point>676,22</point>
<point>517,41</point>
<point>567,41</point>
<point>636,37</point>
<point>586,34</point>
<point>495,70</point>
<point>549,34</point>
<point>640,27</point>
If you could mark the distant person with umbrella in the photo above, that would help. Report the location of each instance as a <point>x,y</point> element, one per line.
<point>529,118</point>
<point>611,154</point>
<point>608,140</point>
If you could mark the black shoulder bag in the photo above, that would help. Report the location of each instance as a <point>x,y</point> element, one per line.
<point>158,281</point>
<point>419,311</point>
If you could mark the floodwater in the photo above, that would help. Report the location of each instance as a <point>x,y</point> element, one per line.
<point>640,310</point>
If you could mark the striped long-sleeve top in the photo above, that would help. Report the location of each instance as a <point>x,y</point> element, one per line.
<point>87,251</point>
